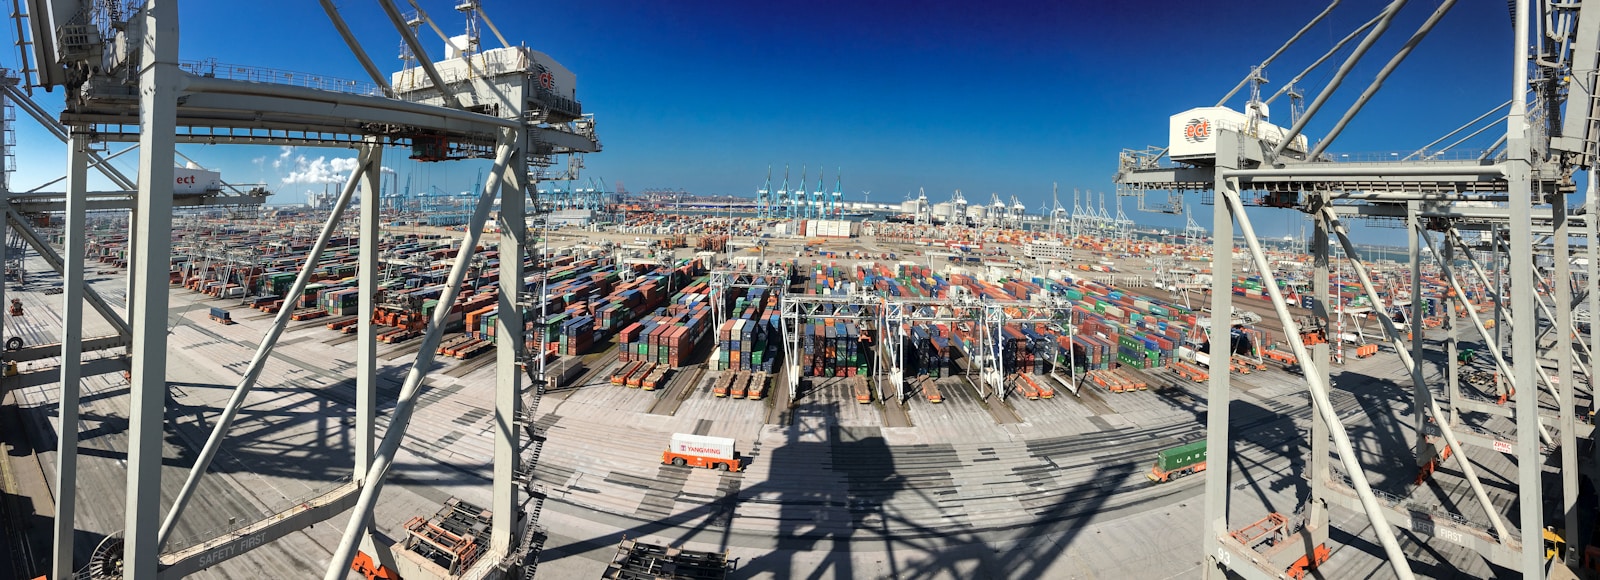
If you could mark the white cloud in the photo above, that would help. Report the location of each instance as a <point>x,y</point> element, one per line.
<point>345,165</point>
<point>386,169</point>
<point>283,156</point>
<point>320,170</point>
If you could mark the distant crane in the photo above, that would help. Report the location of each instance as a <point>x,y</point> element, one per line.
<point>924,216</point>
<point>785,207</point>
<point>1101,218</point>
<point>1058,214</point>
<point>764,197</point>
<point>836,203</point>
<point>958,207</point>
<point>816,197</point>
<point>1124,226</point>
<point>802,201</point>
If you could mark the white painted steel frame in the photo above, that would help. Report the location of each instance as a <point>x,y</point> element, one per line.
<point>64,524</point>
<point>152,243</point>
<point>339,565</point>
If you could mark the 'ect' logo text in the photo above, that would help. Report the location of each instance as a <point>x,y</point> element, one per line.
<point>1197,130</point>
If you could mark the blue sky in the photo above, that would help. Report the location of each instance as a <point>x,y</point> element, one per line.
<point>1003,97</point>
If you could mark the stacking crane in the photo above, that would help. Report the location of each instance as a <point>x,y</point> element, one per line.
<point>1245,165</point>
<point>125,68</point>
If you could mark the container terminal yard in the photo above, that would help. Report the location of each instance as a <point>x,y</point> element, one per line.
<point>548,380</point>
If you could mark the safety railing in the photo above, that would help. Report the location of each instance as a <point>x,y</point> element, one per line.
<point>212,69</point>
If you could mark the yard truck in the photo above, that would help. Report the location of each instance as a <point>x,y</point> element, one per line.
<point>701,451</point>
<point>1178,461</point>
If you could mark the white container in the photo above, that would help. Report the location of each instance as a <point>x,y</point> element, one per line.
<point>703,445</point>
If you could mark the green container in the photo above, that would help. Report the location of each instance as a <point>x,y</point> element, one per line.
<point>1181,456</point>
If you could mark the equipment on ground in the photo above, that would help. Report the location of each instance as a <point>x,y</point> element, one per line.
<point>1178,462</point>
<point>701,451</point>
<point>371,569</point>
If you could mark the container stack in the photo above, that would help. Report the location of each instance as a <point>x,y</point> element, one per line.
<point>921,281</point>
<point>834,349</point>
<point>672,333</point>
<point>577,335</point>
<point>748,340</point>
<point>927,352</point>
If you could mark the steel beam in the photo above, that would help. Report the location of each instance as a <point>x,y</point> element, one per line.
<point>372,481</point>
<point>159,80</point>
<point>1377,82</point>
<point>420,52</point>
<point>1419,389</point>
<point>1566,300</point>
<point>508,345</point>
<point>269,341</point>
<point>1518,149</point>
<point>55,127</point>
<point>1561,292</point>
<point>1319,393</point>
<point>1323,290</point>
<point>1493,346</point>
<point>1592,273</point>
<point>1375,172</point>
<point>107,159</point>
<point>294,519</point>
<point>71,357</point>
<point>355,49</point>
<point>369,269</point>
<point>120,200</point>
<point>1338,78</point>
<point>1279,52</point>
<point>1413,365</point>
<point>1498,284</point>
<point>1219,448</point>
<point>1452,375</point>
